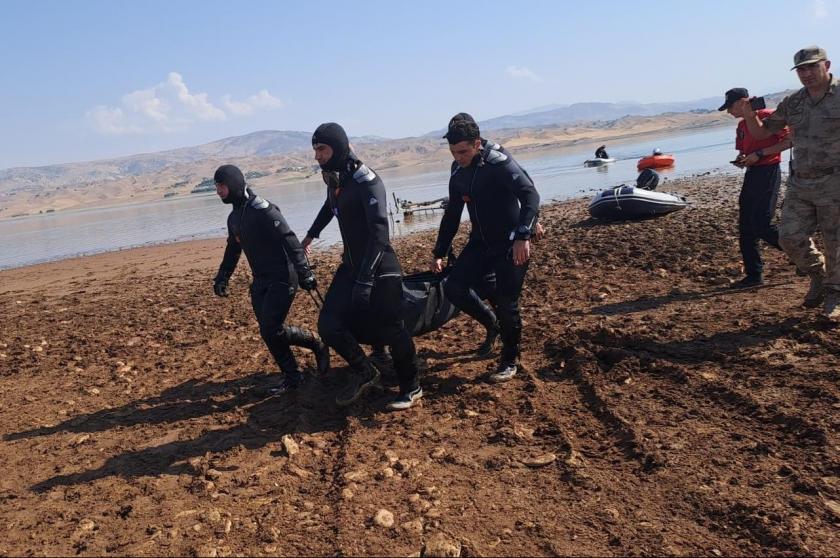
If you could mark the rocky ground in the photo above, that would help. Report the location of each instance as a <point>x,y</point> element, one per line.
<point>658,412</point>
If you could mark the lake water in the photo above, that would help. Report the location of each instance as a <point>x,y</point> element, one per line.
<point>64,234</point>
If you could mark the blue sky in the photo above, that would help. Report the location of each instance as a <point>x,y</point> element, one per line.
<point>84,80</point>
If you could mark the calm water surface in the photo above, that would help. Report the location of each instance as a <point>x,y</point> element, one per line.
<point>55,236</point>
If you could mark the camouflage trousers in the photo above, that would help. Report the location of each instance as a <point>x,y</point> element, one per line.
<point>812,204</point>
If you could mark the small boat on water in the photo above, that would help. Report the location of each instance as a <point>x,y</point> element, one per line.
<point>655,162</point>
<point>409,207</point>
<point>598,162</point>
<point>630,202</point>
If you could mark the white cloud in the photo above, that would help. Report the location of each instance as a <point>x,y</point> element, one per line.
<point>170,106</point>
<point>110,121</point>
<point>522,72</point>
<point>261,101</point>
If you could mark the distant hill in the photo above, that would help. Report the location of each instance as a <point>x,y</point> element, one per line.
<point>272,156</point>
<point>558,115</point>
<point>256,144</point>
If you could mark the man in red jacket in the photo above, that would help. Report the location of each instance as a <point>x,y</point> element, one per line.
<point>757,202</point>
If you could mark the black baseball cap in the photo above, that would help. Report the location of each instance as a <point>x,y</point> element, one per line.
<point>462,127</point>
<point>733,95</point>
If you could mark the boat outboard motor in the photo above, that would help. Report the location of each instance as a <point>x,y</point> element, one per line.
<point>648,180</point>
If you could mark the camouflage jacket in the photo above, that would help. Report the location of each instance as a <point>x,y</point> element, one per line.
<point>815,125</point>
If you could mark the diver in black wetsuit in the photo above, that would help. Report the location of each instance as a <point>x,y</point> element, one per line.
<point>503,206</point>
<point>364,299</point>
<point>601,153</point>
<point>278,263</point>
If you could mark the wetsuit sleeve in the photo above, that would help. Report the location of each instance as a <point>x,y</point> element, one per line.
<point>284,236</point>
<point>521,185</point>
<point>321,220</point>
<point>449,223</point>
<point>376,215</point>
<point>232,252</point>
<point>778,120</point>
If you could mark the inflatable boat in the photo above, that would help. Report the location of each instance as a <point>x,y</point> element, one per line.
<point>655,162</point>
<point>630,202</point>
<point>597,162</point>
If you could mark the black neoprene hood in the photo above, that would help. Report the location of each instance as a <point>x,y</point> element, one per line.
<point>333,135</point>
<point>232,177</point>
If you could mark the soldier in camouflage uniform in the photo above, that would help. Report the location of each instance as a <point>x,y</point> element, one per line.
<point>813,193</point>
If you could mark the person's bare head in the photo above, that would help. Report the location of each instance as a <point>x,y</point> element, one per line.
<point>464,138</point>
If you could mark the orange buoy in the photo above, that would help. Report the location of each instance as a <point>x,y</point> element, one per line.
<point>655,162</point>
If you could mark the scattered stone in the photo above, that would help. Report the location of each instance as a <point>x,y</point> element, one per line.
<point>575,460</point>
<point>92,391</point>
<point>385,473</point>
<point>346,494</point>
<point>79,440</point>
<point>717,552</point>
<point>384,518</point>
<point>415,526</point>
<point>206,551</point>
<point>833,506</point>
<point>468,413</point>
<point>523,432</point>
<point>196,527</point>
<point>213,474</point>
<point>298,472</point>
<point>214,516</point>
<point>290,445</point>
<point>438,545</point>
<point>87,525</point>
<point>438,453</point>
<point>540,460</point>
<point>356,476</point>
<point>612,513</point>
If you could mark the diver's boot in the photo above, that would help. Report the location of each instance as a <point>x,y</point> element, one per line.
<point>491,338</point>
<point>359,380</point>
<point>816,292</point>
<point>308,340</point>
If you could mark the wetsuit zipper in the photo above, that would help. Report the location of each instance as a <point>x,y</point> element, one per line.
<point>241,222</point>
<point>475,201</point>
<point>333,206</point>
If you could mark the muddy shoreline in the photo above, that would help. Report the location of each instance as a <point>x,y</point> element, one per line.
<point>658,412</point>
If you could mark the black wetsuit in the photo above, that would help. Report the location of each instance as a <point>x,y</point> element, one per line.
<point>601,153</point>
<point>503,206</point>
<point>276,257</point>
<point>357,200</point>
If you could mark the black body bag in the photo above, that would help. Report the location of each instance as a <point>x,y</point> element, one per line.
<point>425,307</point>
